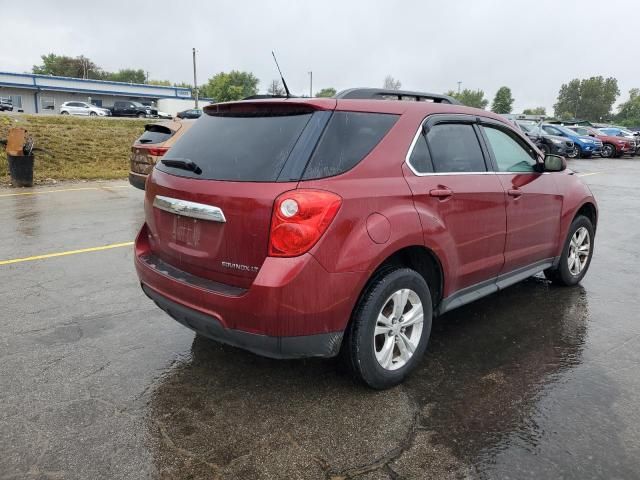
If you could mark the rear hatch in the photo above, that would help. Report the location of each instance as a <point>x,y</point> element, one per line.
<point>209,201</point>
<point>151,145</point>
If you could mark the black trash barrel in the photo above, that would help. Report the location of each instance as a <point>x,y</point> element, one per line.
<point>21,170</point>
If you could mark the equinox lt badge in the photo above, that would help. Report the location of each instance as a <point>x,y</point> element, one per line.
<point>237,266</point>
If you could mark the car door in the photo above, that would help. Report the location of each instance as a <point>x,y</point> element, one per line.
<point>534,202</point>
<point>83,108</point>
<point>461,202</point>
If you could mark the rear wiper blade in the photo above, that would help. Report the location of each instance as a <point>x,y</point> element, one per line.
<point>183,164</point>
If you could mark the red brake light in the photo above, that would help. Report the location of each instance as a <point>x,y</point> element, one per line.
<point>299,219</point>
<point>155,151</point>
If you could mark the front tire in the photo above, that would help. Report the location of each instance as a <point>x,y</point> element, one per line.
<point>575,153</point>
<point>389,329</point>
<point>576,254</point>
<point>141,115</point>
<point>608,151</point>
<point>64,113</point>
<point>93,114</point>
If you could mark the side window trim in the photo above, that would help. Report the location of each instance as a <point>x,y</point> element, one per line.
<point>436,119</point>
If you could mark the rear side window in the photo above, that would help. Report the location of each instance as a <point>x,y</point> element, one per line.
<point>155,134</point>
<point>420,158</point>
<point>455,148</point>
<point>244,147</point>
<point>347,139</point>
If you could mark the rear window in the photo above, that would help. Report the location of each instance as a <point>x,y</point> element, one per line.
<point>347,139</point>
<point>239,146</point>
<point>155,134</point>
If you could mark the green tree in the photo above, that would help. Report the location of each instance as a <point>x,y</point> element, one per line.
<point>160,83</point>
<point>629,111</point>
<point>391,83</point>
<point>276,88</point>
<point>326,92</point>
<point>64,66</point>
<point>225,87</point>
<point>589,98</point>
<point>470,98</point>
<point>503,101</point>
<point>535,111</point>
<point>127,75</point>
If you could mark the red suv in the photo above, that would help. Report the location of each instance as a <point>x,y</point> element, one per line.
<point>313,227</point>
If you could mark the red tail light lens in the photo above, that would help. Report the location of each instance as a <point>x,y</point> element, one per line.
<point>155,151</point>
<point>299,219</point>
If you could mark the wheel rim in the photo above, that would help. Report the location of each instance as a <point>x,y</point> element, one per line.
<point>573,153</point>
<point>607,151</point>
<point>398,329</point>
<point>579,249</point>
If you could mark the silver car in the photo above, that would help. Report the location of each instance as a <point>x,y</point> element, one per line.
<point>83,108</point>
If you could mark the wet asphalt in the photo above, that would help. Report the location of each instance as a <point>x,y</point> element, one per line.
<point>96,382</point>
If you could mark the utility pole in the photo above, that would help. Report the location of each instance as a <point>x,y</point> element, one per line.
<point>310,84</point>
<point>459,83</point>
<point>195,79</point>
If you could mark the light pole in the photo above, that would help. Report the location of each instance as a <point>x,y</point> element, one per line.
<point>459,83</point>
<point>195,80</point>
<point>310,84</point>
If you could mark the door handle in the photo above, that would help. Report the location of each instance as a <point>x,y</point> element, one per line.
<point>441,192</point>
<point>514,192</point>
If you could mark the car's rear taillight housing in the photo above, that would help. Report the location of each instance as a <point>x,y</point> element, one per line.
<point>299,219</point>
<point>155,151</point>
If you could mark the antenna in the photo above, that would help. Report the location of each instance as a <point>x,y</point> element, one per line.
<point>284,84</point>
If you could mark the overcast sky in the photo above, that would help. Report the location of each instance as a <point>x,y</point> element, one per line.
<point>428,45</point>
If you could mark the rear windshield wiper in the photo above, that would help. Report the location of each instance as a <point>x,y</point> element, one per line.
<point>183,164</point>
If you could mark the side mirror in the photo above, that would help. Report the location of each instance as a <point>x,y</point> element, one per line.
<point>591,135</point>
<point>554,163</point>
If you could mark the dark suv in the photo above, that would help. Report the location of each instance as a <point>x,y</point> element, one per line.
<point>313,227</point>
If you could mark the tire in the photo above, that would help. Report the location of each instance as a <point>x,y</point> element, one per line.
<point>608,151</point>
<point>64,112</point>
<point>567,273</point>
<point>575,153</point>
<point>364,351</point>
<point>93,114</point>
<point>141,115</point>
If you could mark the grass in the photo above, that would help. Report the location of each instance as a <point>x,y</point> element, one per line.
<point>80,147</point>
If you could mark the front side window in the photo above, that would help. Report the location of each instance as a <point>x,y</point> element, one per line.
<point>510,155</point>
<point>552,130</point>
<point>454,148</point>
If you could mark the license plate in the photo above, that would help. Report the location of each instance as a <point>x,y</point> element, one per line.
<point>186,230</point>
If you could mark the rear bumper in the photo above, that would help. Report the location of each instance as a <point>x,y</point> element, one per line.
<point>137,180</point>
<point>319,345</point>
<point>293,307</point>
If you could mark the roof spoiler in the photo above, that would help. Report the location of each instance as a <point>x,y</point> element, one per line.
<point>384,94</point>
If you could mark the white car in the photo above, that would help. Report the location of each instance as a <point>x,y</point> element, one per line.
<point>83,108</point>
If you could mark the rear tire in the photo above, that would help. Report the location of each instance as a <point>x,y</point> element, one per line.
<point>141,115</point>
<point>64,113</point>
<point>93,114</point>
<point>576,254</point>
<point>608,151</point>
<point>389,328</point>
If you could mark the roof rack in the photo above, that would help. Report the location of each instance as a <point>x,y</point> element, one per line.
<point>384,94</point>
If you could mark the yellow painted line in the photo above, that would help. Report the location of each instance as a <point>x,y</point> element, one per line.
<point>40,192</point>
<point>68,252</point>
<point>588,174</point>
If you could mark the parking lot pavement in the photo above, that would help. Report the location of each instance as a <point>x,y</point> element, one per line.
<point>96,382</point>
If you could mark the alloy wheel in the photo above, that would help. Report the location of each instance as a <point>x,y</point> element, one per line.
<point>608,151</point>
<point>398,329</point>
<point>579,250</point>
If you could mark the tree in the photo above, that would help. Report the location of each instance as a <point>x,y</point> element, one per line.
<point>326,92</point>
<point>535,111</point>
<point>590,98</point>
<point>276,88</point>
<point>470,98</point>
<point>161,83</point>
<point>225,87</point>
<point>64,66</point>
<point>629,111</point>
<point>391,83</point>
<point>503,101</point>
<point>127,75</point>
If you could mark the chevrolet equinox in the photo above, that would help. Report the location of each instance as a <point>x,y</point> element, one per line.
<point>316,227</point>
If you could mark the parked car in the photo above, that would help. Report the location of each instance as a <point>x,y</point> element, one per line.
<point>6,105</point>
<point>633,137</point>
<point>164,115</point>
<point>546,143</point>
<point>585,146</point>
<point>309,227</point>
<point>191,113</point>
<point>151,146</point>
<point>612,146</point>
<point>83,108</point>
<point>132,109</point>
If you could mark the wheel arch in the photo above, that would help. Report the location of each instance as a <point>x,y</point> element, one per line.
<point>589,210</point>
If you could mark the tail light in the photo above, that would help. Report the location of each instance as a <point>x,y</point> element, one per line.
<point>155,151</point>
<point>299,219</point>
